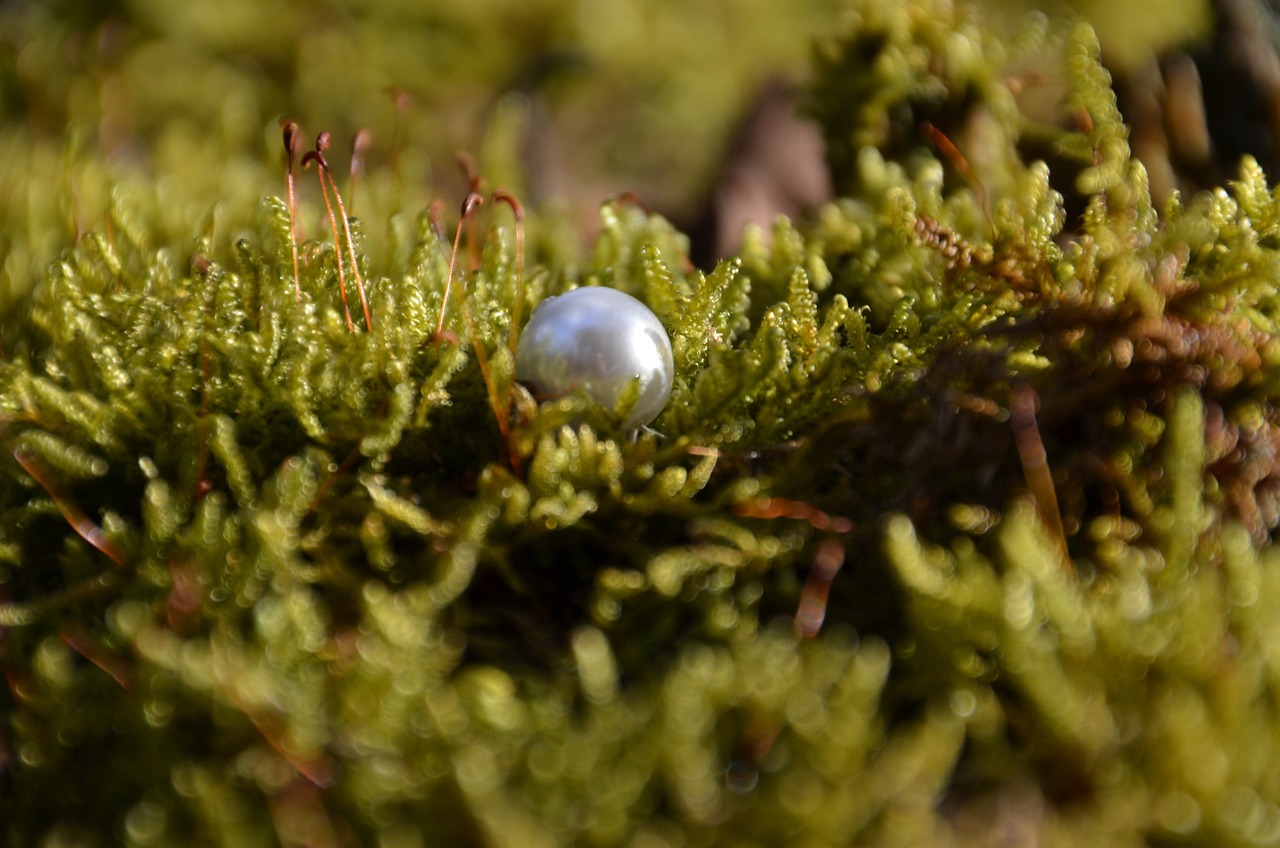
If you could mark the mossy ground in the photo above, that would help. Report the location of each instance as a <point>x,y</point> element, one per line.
<point>957,526</point>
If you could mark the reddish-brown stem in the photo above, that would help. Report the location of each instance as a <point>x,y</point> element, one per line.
<point>302,801</point>
<point>827,562</point>
<point>1083,121</point>
<point>469,205</point>
<point>469,170</point>
<point>185,596</point>
<point>961,164</point>
<point>84,526</point>
<point>351,249</point>
<point>758,739</point>
<point>475,183</point>
<point>502,407</point>
<point>786,508</point>
<point>86,645</point>
<point>317,156</point>
<point>315,768</point>
<point>1035,463</point>
<point>812,609</point>
<point>341,471</point>
<point>290,150</point>
<point>632,199</point>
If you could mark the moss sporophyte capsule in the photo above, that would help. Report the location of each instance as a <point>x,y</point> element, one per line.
<point>598,340</point>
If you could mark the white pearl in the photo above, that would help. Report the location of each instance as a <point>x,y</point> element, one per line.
<point>597,340</point>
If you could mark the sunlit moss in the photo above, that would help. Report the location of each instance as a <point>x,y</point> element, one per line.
<point>267,580</point>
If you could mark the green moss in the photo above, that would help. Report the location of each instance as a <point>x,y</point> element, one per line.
<point>959,519</point>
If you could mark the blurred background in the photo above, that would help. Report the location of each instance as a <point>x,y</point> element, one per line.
<point>590,97</point>
<point>108,106</point>
<point>162,118</point>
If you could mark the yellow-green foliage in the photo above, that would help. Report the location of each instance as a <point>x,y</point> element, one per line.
<point>180,102</point>
<point>268,581</point>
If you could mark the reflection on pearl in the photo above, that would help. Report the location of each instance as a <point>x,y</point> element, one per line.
<point>597,340</point>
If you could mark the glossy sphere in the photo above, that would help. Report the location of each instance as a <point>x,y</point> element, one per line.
<point>597,340</point>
